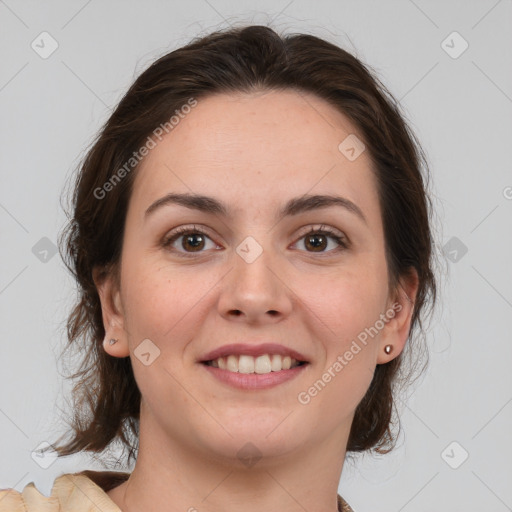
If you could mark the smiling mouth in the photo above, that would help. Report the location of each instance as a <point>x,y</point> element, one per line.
<point>266,363</point>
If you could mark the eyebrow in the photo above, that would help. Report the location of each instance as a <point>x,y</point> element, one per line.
<point>294,206</point>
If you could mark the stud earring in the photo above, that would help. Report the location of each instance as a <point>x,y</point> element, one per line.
<point>388,349</point>
<point>112,341</point>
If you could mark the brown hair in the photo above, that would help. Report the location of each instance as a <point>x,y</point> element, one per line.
<point>243,59</point>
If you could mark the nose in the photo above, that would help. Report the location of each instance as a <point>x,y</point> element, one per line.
<point>255,292</point>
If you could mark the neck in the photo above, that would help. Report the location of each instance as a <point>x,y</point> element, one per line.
<point>175,477</point>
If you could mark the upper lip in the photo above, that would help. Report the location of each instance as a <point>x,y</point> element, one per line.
<point>252,350</point>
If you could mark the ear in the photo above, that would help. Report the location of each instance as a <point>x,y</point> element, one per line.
<point>400,310</point>
<point>112,312</point>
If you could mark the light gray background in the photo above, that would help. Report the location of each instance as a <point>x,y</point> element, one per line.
<point>459,107</point>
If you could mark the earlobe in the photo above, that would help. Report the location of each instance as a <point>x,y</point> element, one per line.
<point>397,330</point>
<point>116,348</point>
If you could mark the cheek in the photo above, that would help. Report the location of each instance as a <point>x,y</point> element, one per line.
<point>341,323</point>
<point>345,303</point>
<point>153,306</point>
<point>161,300</point>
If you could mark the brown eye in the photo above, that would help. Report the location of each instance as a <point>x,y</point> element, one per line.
<point>317,241</point>
<point>196,241</point>
<point>193,240</point>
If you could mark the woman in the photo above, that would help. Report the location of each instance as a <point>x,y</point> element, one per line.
<point>251,241</point>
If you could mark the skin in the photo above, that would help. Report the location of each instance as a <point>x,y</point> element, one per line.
<point>253,152</point>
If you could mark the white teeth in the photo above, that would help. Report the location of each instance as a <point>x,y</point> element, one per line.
<point>248,364</point>
<point>276,363</point>
<point>232,363</point>
<point>262,364</point>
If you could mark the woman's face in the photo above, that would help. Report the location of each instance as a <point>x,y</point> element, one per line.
<point>251,275</point>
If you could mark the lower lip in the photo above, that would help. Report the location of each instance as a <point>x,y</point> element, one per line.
<point>254,380</point>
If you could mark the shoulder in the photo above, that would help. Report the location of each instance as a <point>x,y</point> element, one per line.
<point>343,506</point>
<point>78,492</point>
<point>28,500</point>
<point>71,492</point>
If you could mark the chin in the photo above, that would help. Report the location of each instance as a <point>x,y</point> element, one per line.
<point>269,438</point>
<point>250,452</point>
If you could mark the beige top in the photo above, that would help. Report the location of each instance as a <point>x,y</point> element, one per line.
<point>78,492</point>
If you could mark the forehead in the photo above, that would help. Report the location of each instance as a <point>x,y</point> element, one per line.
<point>256,147</point>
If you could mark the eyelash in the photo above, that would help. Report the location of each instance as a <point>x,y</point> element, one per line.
<point>186,230</point>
